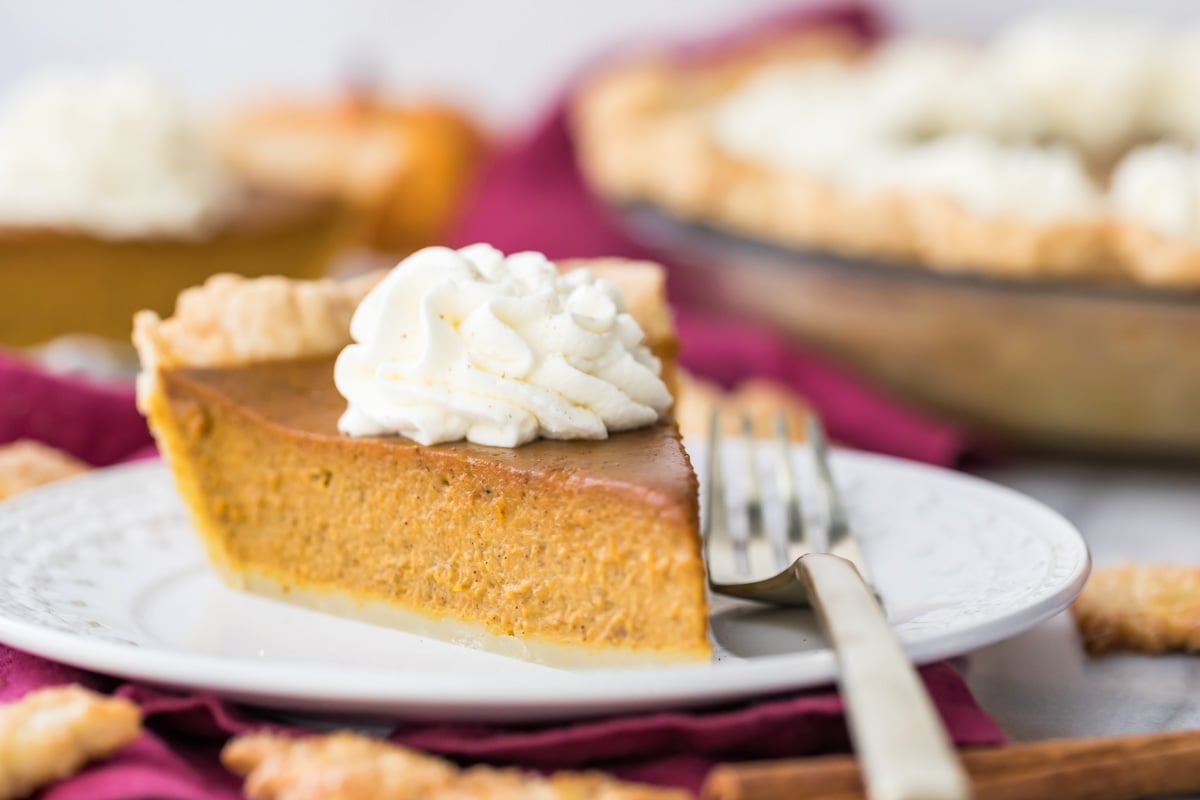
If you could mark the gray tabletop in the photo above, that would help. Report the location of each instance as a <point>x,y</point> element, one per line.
<point>1041,684</point>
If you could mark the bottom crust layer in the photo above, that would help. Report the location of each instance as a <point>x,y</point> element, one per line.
<point>528,648</point>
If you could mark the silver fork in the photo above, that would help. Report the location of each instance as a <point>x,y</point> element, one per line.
<point>903,749</point>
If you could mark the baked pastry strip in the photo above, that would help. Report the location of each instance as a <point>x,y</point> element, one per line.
<point>26,464</point>
<point>50,733</point>
<point>1150,608</point>
<point>348,766</point>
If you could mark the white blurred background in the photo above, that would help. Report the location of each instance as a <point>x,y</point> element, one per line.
<point>504,59</point>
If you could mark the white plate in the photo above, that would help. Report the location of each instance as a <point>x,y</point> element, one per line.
<point>104,572</point>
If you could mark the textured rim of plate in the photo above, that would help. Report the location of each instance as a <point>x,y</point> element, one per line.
<point>655,687</point>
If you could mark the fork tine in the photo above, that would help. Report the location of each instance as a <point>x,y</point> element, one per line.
<point>714,492</point>
<point>755,526</point>
<point>716,523</point>
<point>786,475</point>
<point>753,491</point>
<point>836,527</point>
<point>909,755</point>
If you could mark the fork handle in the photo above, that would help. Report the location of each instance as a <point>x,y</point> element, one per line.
<point>902,747</point>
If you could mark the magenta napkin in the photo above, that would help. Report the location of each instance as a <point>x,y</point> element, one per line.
<point>97,423</point>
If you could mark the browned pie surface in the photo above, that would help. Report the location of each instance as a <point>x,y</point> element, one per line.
<point>590,543</point>
<point>299,397</point>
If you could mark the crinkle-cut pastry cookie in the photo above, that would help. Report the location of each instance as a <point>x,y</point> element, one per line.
<point>347,766</point>
<point>50,733</point>
<point>1152,608</point>
<point>26,464</point>
<point>1003,158</point>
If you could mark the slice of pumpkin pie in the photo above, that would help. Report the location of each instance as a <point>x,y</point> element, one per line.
<point>471,446</point>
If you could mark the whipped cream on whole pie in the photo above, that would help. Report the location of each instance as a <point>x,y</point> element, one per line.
<point>1173,107</point>
<point>993,179</point>
<point>1081,80</point>
<point>115,154</point>
<point>1014,129</point>
<point>1158,186</point>
<point>470,344</point>
<point>918,86</point>
<point>772,118</point>
<point>866,146</point>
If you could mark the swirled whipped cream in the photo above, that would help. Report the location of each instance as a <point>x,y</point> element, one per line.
<point>113,153</point>
<point>470,344</point>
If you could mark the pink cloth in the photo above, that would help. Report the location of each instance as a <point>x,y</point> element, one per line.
<point>532,198</point>
<point>97,423</point>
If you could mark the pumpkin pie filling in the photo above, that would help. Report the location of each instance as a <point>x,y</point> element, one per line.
<point>568,552</point>
<point>271,234</point>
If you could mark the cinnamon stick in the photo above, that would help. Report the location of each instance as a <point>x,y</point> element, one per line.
<point>1110,768</point>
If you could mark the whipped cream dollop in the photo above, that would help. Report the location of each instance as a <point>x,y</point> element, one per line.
<point>1173,107</point>
<point>1034,183</point>
<point>807,117</point>
<point>114,153</point>
<point>470,344</point>
<point>1158,186</point>
<point>1088,80</point>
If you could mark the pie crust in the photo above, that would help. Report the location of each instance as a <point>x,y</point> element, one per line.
<point>232,320</point>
